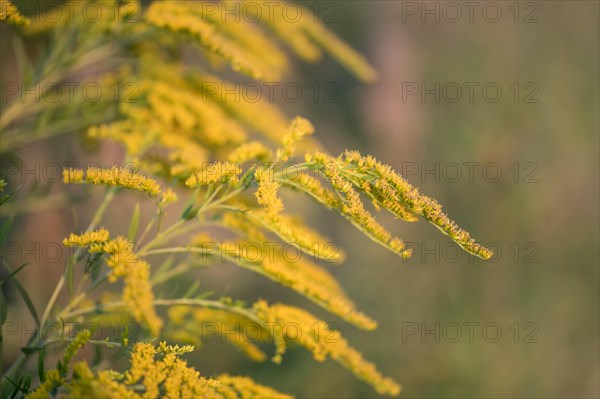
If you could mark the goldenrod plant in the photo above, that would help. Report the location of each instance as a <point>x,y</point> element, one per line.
<point>226,163</point>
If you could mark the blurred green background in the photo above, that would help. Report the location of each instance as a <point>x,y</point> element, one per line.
<point>526,324</point>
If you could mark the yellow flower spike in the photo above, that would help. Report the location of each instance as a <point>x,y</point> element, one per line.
<point>234,387</point>
<point>72,175</point>
<point>10,13</point>
<point>261,115</point>
<point>249,151</point>
<point>303,276</point>
<point>399,191</point>
<point>298,129</point>
<point>114,177</point>
<point>313,187</point>
<point>190,323</point>
<point>137,293</point>
<point>266,194</point>
<point>290,32</point>
<point>187,18</point>
<point>292,230</point>
<point>168,197</point>
<point>324,343</point>
<point>88,238</point>
<point>223,172</point>
<point>161,368</point>
<point>52,380</point>
<point>340,51</point>
<point>106,384</point>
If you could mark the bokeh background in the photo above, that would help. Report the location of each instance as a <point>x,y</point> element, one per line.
<point>519,171</point>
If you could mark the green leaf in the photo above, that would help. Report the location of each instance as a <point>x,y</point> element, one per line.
<point>192,290</point>
<point>134,224</point>
<point>41,356</point>
<point>25,296</point>
<point>11,274</point>
<point>30,350</point>
<point>70,275</point>
<point>167,263</point>
<point>6,228</point>
<point>3,314</point>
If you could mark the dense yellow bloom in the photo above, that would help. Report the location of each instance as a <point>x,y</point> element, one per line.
<point>301,275</point>
<point>410,198</point>
<point>10,14</point>
<point>160,369</point>
<point>352,206</point>
<point>292,230</point>
<point>266,194</point>
<point>313,187</point>
<point>56,377</point>
<point>137,293</point>
<point>299,128</point>
<point>224,172</point>
<point>291,33</point>
<point>260,115</point>
<point>187,18</point>
<point>72,175</point>
<point>323,343</point>
<point>197,325</point>
<point>102,386</point>
<point>250,36</point>
<point>178,108</point>
<point>52,380</point>
<point>249,151</point>
<point>339,50</point>
<point>88,238</point>
<point>168,197</point>
<point>126,132</point>
<point>113,177</point>
<point>234,387</point>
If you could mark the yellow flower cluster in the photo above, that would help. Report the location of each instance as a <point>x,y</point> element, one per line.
<point>177,108</point>
<point>113,177</point>
<point>125,132</point>
<point>352,206</point>
<point>293,231</point>
<point>154,372</point>
<point>323,343</point>
<point>10,14</point>
<point>344,54</point>
<point>313,187</point>
<point>306,34</point>
<point>298,129</point>
<point>266,194</point>
<point>260,115</point>
<point>137,293</point>
<point>89,238</point>
<point>241,224</point>
<point>236,387</point>
<point>106,384</point>
<point>168,197</point>
<point>251,37</point>
<point>52,379</point>
<point>196,325</point>
<point>163,374</point>
<point>249,151</point>
<point>56,377</point>
<point>307,278</point>
<point>188,18</point>
<point>224,172</point>
<point>397,190</point>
